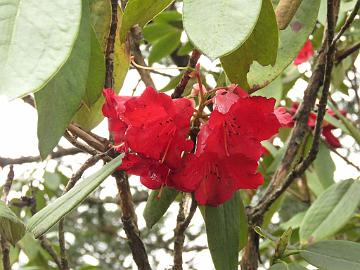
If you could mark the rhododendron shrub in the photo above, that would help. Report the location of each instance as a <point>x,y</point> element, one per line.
<point>153,130</point>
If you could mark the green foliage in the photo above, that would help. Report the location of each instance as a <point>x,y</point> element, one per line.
<point>260,46</point>
<point>226,229</point>
<point>218,27</point>
<point>140,12</point>
<point>42,221</point>
<point>59,100</point>
<point>11,227</point>
<point>333,255</point>
<point>330,211</point>
<point>33,48</point>
<point>157,204</point>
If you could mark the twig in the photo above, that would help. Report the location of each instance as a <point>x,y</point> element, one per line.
<point>72,139</point>
<point>347,23</point>
<point>46,245</point>
<point>129,221</point>
<point>341,156</point>
<point>135,34</point>
<point>109,54</point>
<point>179,89</point>
<point>5,245</point>
<point>341,55</point>
<point>95,141</point>
<point>54,155</point>
<point>182,223</point>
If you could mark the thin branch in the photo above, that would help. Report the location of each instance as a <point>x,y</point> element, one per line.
<point>179,89</point>
<point>334,150</point>
<point>341,55</point>
<point>347,23</point>
<point>46,245</point>
<point>129,221</point>
<point>54,155</point>
<point>182,223</point>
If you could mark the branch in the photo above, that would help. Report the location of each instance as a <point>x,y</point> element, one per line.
<point>129,221</point>
<point>181,225</point>
<point>46,245</point>
<point>179,89</point>
<point>136,36</point>
<point>54,155</point>
<point>341,55</point>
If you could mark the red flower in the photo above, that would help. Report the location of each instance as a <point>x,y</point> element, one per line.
<point>214,179</point>
<point>305,53</point>
<point>228,148</point>
<point>158,126</point>
<point>114,109</point>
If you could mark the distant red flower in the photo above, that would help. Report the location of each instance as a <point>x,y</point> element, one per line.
<point>326,126</point>
<point>305,53</point>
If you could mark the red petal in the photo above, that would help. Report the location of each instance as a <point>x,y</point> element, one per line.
<point>284,117</point>
<point>330,138</point>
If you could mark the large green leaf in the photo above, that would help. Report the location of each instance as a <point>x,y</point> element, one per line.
<point>261,46</point>
<point>59,100</point>
<point>224,227</point>
<point>218,27</point>
<point>89,117</point>
<point>333,255</point>
<point>330,211</point>
<point>37,37</point>
<point>164,46</point>
<point>100,17</point>
<point>140,12</point>
<point>156,207</point>
<point>96,75</point>
<point>291,41</point>
<point>11,227</point>
<point>43,220</point>
<point>320,177</point>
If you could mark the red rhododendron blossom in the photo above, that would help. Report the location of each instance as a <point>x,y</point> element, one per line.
<point>228,147</point>
<point>158,126</point>
<point>153,129</point>
<point>214,178</point>
<point>305,53</point>
<point>114,109</point>
<point>327,127</point>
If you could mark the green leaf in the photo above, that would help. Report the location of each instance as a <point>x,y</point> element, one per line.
<point>292,40</point>
<point>164,46</point>
<point>59,100</point>
<point>11,227</point>
<point>330,211</point>
<point>156,31</point>
<point>273,90</point>
<point>333,255</point>
<point>294,222</point>
<point>284,266</point>
<point>141,12</point>
<point>37,37</point>
<point>96,75</point>
<point>320,177</point>
<point>52,180</point>
<point>261,46</point>
<point>218,27</point>
<point>43,220</point>
<point>156,207</point>
<point>100,17</point>
<point>89,117</point>
<point>223,230</point>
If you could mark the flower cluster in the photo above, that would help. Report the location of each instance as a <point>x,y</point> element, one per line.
<point>153,130</point>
